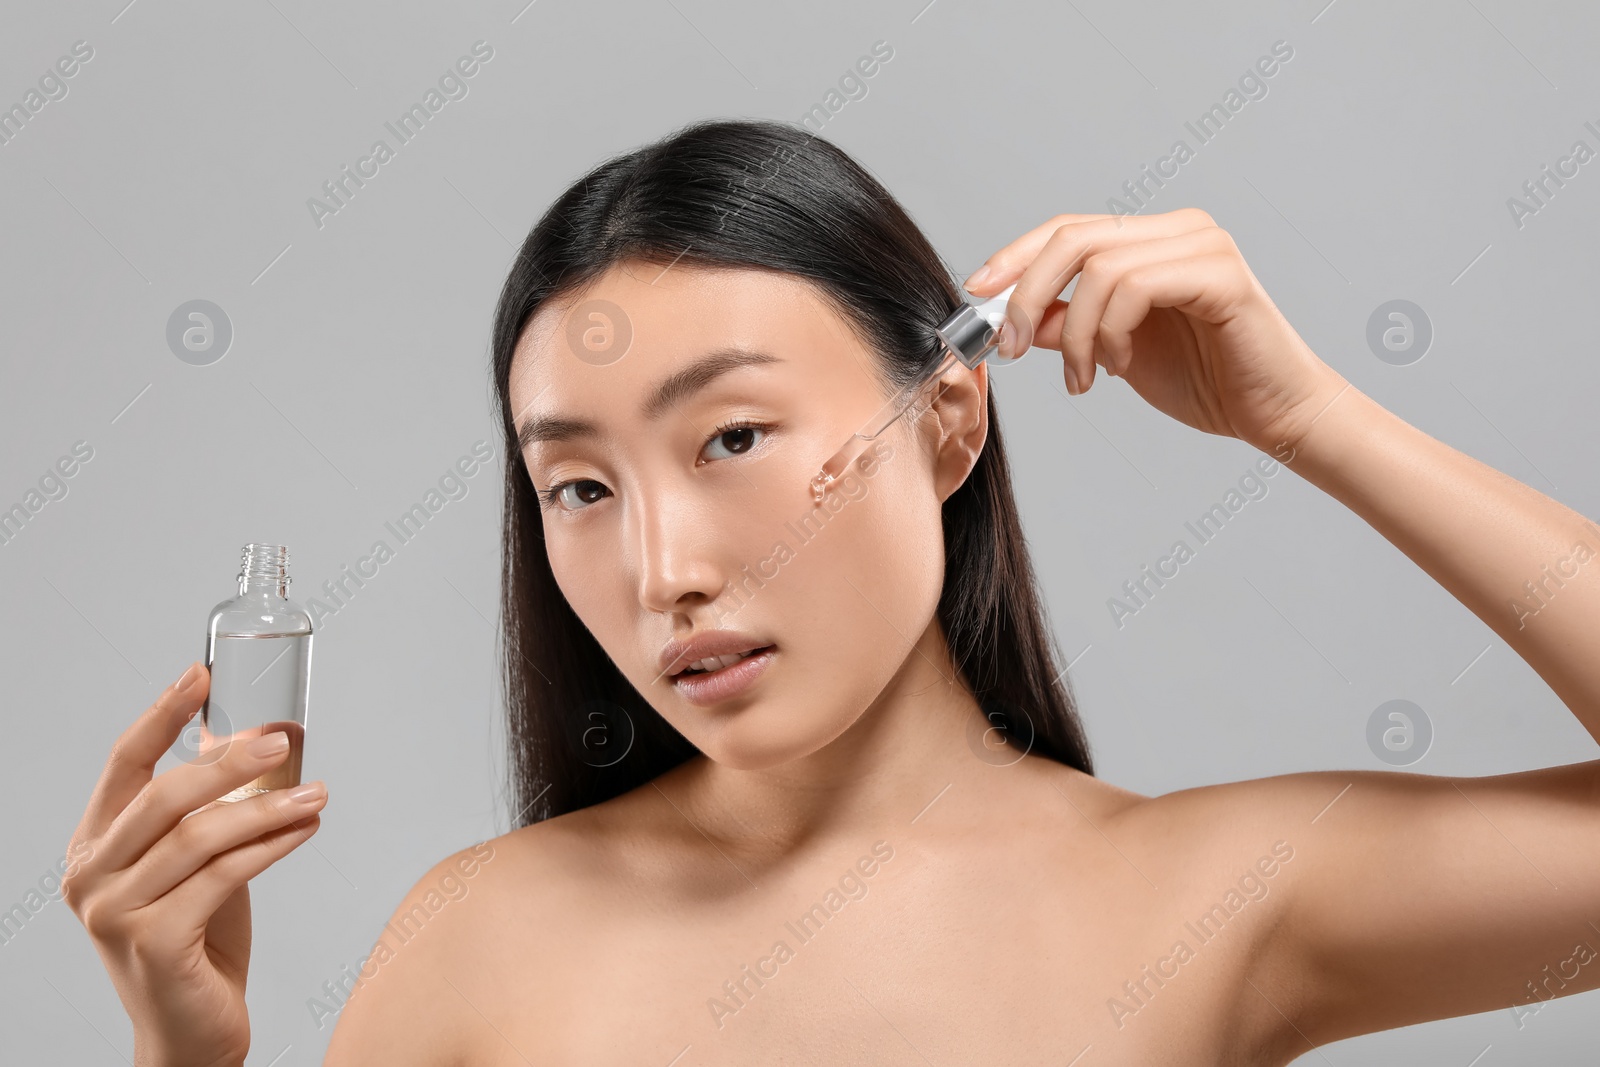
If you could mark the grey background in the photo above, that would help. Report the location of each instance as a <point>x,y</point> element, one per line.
<point>1376,168</point>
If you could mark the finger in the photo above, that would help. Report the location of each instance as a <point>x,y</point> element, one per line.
<point>1009,262</point>
<point>202,893</point>
<point>1063,255</point>
<point>133,757</point>
<point>206,834</point>
<point>163,802</point>
<point>1101,275</point>
<point>1049,336</point>
<point>1205,286</point>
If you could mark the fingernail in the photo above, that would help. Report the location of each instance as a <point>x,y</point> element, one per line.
<point>190,676</point>
<point>1012,339</point>
<point>302,794</point>
<point>978,277</point>
<point>1072,380</point>
<point>270,745</point>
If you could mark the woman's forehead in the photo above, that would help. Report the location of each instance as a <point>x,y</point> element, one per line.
<point>637,321</point>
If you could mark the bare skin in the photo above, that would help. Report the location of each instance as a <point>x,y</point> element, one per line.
<point>1013,911</point>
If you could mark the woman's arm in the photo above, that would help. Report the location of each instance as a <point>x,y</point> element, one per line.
<point>1410,897</point>
<point>1426,897</point>
<point>1416,897</point>
<point>1523,563</point>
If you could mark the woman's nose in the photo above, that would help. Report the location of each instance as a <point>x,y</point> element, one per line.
<point>677,553</point>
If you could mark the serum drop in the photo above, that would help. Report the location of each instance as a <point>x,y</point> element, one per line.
<point>258,650</point>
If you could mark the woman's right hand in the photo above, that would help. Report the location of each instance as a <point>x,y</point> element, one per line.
<point>164,897</point>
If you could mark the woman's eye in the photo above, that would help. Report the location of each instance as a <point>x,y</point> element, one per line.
<point>574,495</point>
<point>738,440</point>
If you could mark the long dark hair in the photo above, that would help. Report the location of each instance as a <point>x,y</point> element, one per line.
<point>758,195</point>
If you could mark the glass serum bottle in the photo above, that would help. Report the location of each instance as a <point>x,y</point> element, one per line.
<point>258,650</point>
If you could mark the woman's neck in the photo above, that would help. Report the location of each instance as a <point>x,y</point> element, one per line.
<point>913,743</point>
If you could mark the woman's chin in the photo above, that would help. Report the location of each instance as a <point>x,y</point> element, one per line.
<point>754,753</point>
<point>749,742</point>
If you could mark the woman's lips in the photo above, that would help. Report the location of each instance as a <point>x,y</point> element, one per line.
<point>705,690</point>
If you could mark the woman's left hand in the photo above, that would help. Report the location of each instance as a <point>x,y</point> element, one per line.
<point>1166,303</point>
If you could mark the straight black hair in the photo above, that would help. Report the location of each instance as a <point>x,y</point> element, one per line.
<point>752,195</point>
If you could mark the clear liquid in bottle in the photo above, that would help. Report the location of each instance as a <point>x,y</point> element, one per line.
<point>258,650</point>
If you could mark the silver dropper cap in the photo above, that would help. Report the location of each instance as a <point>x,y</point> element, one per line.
<point>973,330</point>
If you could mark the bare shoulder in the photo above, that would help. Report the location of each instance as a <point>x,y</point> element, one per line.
<point>1226,817</point>
<point>1387,898</point>
<point>1187,840</point>
<point>1223,862</point>
<point>481,920</point>
<point>1241,844</point>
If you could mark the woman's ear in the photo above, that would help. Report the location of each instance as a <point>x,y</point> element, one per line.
<point>962,411</point>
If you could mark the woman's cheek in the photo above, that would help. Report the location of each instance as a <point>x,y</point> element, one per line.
<point>876,574</point>
<point>591,589</point>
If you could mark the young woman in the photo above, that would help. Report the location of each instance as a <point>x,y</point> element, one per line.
<point>804,782</point>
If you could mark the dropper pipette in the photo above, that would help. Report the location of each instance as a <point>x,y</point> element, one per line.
<point>968,336</point>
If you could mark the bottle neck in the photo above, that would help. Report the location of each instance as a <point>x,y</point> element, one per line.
<point>278,587</point>
<point>265,571</point>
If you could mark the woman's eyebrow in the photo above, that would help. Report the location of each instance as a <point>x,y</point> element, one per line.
<point>677,386</point>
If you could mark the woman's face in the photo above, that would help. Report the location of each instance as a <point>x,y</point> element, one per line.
<point>680,416</point>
